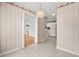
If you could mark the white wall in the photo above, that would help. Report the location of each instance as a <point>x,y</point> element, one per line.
<point>10,28</point>
<point>68,28</point>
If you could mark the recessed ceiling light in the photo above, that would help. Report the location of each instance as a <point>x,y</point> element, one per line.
<point>53,14</point>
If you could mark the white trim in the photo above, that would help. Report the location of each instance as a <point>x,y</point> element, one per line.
<point>22,30</point>
<point>4,53</point>
<point>67,51</point>
<point>36,30</point>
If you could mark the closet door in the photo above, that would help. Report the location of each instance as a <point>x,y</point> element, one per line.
<point>3,27</point>
<point>76,27</point>
<point>60,12</point>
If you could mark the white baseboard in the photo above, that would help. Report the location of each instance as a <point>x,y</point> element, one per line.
<point>67,51</point>
<point>4,53</point>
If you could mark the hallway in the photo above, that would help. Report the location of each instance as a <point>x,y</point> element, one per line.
<point>46,49</point>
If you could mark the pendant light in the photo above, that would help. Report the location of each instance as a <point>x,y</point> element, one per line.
<point>40,12</point>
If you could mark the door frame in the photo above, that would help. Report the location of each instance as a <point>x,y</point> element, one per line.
<point>22,27</point>
<point>22,30</point>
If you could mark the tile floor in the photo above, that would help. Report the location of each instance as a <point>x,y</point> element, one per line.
<point>46,49</point>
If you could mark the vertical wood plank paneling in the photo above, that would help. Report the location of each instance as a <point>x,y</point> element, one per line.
<point>3,27</point>
<point>16,21</point>
<point>18,27</point>
<point>69,34</point>
<point>13,26</point>
<point>76,27</point>
<point>65,27</point>
<point>9,27</point>
<point>68,27</point>
<point>60,27</point>
<point>0,27</point>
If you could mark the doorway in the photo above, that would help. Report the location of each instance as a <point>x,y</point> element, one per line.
<point>28,30</point>
<point>51,29</point>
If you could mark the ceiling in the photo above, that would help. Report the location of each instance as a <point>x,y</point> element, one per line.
<point>47,7</point>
